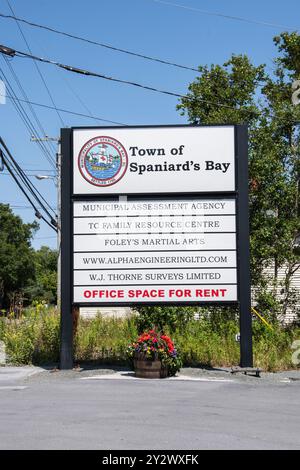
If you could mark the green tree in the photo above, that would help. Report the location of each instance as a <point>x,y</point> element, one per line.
<point>17,266</point>
<point>44,286</point>
<point>239,92</point>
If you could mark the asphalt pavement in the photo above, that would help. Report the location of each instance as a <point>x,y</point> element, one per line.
<point>110,409</point>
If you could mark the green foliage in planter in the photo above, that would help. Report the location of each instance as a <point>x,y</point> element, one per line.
<point>154,345</point>
<point>173,365</point>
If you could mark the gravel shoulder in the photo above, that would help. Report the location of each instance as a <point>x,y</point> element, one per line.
<point>51,374</point>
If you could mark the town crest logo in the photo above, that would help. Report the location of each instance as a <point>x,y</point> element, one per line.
<point>103,161</point>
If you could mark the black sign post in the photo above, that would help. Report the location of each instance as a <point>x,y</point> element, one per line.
<point>240,195</point>
<point>244,284</point>
<point>66,325</point>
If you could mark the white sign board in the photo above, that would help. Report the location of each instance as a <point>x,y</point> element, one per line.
<point>154,215</point>
<point>155,250</point>
<point>153,160</point>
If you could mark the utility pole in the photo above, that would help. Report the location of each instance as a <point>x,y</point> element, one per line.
<point>58,185</point>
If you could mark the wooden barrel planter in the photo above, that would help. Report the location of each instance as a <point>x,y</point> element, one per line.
<point>147,369</point>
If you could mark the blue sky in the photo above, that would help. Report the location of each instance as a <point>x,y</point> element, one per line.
<point>145,26</point>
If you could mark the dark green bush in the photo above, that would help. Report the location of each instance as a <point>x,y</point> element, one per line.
<point>163,318</point>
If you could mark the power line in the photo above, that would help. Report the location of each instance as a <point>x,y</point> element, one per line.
<point>30,186</point>
<point>22,207</point>
<point>26,185</point>
<point>37,213</point>
<point>228,17</point>
<point>42,105</point>
<point>107,46</point>
<point>15,53</point>
<point>11,202</point>
<point>29,174</point>
<point>25,96</point>
<point>18,204</point>
<point>73,69</point>
<point>25,118</point>
<point>36,65</point>
<point>74,93</point>
<point>35,168</point>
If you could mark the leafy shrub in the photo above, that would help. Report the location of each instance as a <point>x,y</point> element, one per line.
<point>163,318</point>
<point>209,341</point>
<point>33,338</point>
<point>272,348</point>
<point>47,341</point>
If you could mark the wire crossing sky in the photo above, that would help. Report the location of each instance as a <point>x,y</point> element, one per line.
<point>71,68</point>
<point>227,17</point>
<point>89,41</point>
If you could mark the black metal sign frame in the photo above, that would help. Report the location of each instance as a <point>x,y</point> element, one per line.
<point>242,241</point>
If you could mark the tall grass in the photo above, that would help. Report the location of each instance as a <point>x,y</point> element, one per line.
<point>273,348</point>
<point>104,339</point>
<point>34,338</point>
<point>200,343</point>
